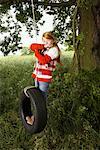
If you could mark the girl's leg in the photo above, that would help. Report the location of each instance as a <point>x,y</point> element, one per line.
<point>30,119</point>
<point>36,83</point>
<point>44,86</point>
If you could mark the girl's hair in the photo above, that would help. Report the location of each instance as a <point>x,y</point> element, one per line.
<point>50,35</point>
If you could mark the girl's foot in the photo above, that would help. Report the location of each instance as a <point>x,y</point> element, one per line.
<point>30,120</point>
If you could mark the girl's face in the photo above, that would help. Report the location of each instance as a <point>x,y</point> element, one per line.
<point>48,43</point>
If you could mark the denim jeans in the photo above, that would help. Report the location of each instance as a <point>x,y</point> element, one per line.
<point>43,86</point>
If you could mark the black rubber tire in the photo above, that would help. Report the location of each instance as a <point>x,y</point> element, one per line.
<point>36,100</point>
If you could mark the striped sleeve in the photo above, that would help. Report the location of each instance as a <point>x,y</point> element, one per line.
<point>53,53</point>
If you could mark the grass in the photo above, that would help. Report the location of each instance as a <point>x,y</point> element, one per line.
<point>15,74</point>
<point>18,61</point>
<point>27,58</point>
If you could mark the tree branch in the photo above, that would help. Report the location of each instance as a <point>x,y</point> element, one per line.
<point>63,4</point>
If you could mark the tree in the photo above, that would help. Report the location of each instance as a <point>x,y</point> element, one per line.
<point>11,39</point>
<point>11,27</point>
<point>84,24</point>
<point>23,13</point>
<point>86,44</point>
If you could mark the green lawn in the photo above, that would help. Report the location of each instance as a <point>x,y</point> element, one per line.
<point>73,107</point>
<point>15,58</point>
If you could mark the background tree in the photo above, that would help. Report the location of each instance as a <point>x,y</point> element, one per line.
<point>23,11</point>
<point>11,27</point>
<point>11,36</point>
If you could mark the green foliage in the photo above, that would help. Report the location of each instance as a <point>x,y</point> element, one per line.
<point>74,114</point>
<point>79,39</point>
<point>11,41</point>
<point>63,16</point>
<point>86,3</point>
<point>73,108</point>
<point>4,8</point>
<point>69,42</point>
<point>26,51</point>
<point>23,14</point>
<point>11,27</point>
<point>14,74</point>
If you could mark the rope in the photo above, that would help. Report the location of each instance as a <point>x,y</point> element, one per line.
<point>34,21</point>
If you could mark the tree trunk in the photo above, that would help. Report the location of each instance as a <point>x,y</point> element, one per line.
<point>87,55</point>
<point>85,47</point>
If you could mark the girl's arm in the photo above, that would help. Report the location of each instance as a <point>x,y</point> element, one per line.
<point>35,46</point>
<point>43,59</point>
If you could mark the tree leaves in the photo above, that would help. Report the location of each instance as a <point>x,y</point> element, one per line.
<point>23,14</point>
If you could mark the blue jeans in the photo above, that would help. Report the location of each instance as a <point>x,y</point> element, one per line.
<point>43,86</point>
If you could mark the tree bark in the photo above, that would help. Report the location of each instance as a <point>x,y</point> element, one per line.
<point>87,25</point>
<point>88,50</point>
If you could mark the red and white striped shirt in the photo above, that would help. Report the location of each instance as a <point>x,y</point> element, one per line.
<point>46,64</point>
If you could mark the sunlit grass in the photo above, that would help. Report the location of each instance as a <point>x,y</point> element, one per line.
<point>15,74</point>
<point>66,57</point>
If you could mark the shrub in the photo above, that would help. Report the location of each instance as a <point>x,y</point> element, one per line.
<point>73,109</point>
<point>74,114</point>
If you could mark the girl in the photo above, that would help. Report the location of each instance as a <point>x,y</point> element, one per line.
<point>47,55</point>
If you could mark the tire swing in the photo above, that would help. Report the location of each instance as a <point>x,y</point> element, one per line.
<point>33,104</point>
